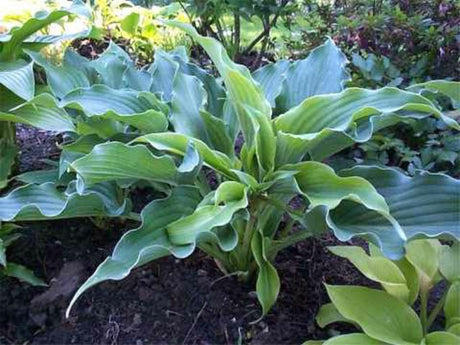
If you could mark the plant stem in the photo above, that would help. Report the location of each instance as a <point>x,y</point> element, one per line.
<point>215,253</point>
<point>423,309</point>
<point>237,33</point>
<point>249,232</point>
<point>434,313</point>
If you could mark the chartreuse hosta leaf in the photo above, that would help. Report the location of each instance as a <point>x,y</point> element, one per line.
<point>378,269</point>
<point>425,205</point>
<point>325,124</point>
<point>438,338</point>
<point>424,256</point>
<point>380,315</point>
<point>407,269</point>
<point>45,201</point>
<point>328,314</point>
<point>168,229</point>
<point>452,305</point>
<point>448,262</point>
<point>347,339</point>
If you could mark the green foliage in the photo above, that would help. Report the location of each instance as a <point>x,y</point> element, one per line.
<point>139,30</point>
<point>387,317</point>
<point>225,19</point>
<point>10,269</point>
<point>17,80</point>
<point>388,41</point>
<point>170,125</point>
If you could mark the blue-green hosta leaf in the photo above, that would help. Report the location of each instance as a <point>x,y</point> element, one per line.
<point>380,315</point>
<point>271,78</point>
<point>23,274</point>
<point>163,71</point>
<point>61,79</point>
<point>219,133</point>
<point>452,305</point>
<point>177,143</point>
<point>116,161</point>
<point>162,221</point>
<point>2,252</point>
<point>323,125</point>
<point>37,202</point>
<point>111,66</point>
<point>188,98</point>
<point>215,91</point>
<point>18,76</point>
<point>42,112</point>
<point>242,90</point>
<point>135,108</point>
<point>189,115</point>
<point>39,176</point>
<point>438,338</point>
<point>322,72</point>
<point>448,262</point>
<point>378,269</point>
<point>448,88</point>
<point>75,61</point>
<point>425,205</point>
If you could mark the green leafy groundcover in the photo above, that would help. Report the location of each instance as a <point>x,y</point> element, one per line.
<point>168,125</point>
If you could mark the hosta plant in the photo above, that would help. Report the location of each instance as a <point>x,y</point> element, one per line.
<point>388,316</point>
<point>175,129</point>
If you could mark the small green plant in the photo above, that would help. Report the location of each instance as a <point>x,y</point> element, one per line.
<point>10,269</point>
<point>174,129</point>
<point>139,30</point>
<point>388,316</point>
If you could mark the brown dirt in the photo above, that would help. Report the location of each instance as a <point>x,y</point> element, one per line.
<point>158,303</point>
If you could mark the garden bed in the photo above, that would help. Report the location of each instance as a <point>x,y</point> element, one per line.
<point>169,301</point>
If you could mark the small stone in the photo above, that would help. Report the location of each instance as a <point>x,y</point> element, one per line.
<point>202,273</point>
<point>137,320</point>
<point>139,342</point>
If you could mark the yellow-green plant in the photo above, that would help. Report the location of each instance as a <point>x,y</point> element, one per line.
<point>388,317</point>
